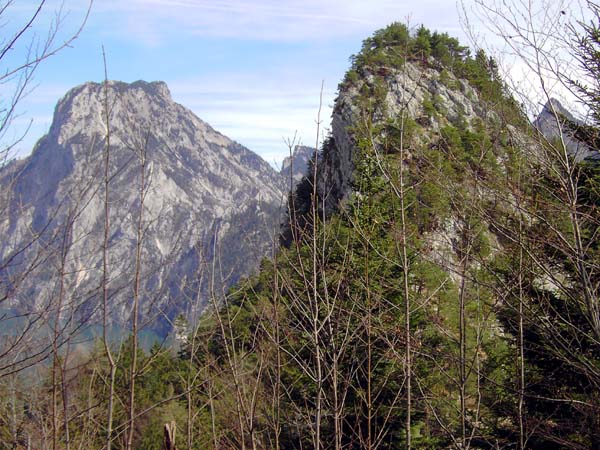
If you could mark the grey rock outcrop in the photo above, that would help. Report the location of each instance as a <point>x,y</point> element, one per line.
<point>210,209</point>
<point>552,124</point>
<point>407,91</point>
<point>295,166</point>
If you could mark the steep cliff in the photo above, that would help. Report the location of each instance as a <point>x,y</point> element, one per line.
<point>409,92</point>
<point>209,209</point>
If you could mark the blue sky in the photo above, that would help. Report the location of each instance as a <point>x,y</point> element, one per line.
<point>250,68</point>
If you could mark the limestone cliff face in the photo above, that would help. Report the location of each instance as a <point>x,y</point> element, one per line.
<point>406,92</point>
<point>209,208</point>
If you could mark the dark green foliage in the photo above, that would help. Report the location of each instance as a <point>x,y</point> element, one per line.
<point>447,49</point>
<point>158,381</point>
<point>385,46</point>
<point>299,202</point>
<point>394,44</point>
<point>428,107</point>
<point>422,42</point>
<point>468,148</point>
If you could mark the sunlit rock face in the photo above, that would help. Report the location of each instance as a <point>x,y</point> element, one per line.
<point>203,210</point>
<point>405,93</point>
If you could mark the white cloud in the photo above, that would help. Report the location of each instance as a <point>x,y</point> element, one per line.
<point>292,20</point>
<point>259,112</point>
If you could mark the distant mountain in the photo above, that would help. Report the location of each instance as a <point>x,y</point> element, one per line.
<point>552,123</point>
<point>211,209</point>
<point>295,166</point>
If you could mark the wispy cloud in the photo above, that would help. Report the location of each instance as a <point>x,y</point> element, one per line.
<point>292,20</point>
<point>257,110</point>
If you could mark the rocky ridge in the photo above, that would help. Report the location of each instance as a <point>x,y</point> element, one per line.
<point>435,171</point>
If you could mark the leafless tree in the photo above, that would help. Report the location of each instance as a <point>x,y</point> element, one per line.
<point>23,35</point>
<point>23,49</point>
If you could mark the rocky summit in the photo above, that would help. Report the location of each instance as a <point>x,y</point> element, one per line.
<point>189,210</point>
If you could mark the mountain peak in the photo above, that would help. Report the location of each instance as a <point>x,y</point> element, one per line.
<point>150,88</point>
<point>200,188</point>
<point>153,89</point>
<point>132,108</point>
<point>296,165</point>
<point>553,106</point>
<point>553,122</point>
